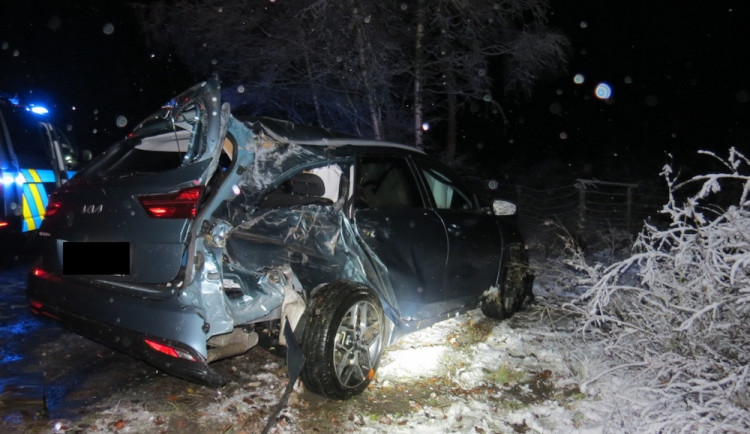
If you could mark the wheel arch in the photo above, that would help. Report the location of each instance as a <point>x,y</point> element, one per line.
<point>342,339</point>
<point>391,313</point>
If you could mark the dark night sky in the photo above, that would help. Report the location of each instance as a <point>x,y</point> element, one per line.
<point>680,78</point>
<point>89,60</point>
<point>678,72</point>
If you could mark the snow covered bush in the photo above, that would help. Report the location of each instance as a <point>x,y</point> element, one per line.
<point>676,311</point>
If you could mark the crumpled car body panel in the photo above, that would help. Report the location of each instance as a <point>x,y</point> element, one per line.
<point>278,216</point>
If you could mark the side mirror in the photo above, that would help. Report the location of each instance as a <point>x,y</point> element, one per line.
<point>503,207</point>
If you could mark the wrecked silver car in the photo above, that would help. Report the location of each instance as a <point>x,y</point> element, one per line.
<point>200,228</point>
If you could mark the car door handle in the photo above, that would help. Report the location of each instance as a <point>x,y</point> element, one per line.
<point>380,234</point>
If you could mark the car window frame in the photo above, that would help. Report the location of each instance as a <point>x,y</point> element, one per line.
<point>344,163</point>
<point>458,182</point>
<point>410,169</point>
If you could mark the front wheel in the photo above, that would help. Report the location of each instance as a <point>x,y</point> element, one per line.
<point>503,302</point>
<point>343,339</point>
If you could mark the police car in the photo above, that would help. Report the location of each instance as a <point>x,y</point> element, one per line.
<point>35,159</point>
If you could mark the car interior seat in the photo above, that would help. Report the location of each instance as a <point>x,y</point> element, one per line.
<point>301,189</point>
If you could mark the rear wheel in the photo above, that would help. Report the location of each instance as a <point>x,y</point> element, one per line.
<point>343,340</point>
<point>502,302</point>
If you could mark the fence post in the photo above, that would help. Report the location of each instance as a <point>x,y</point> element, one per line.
<point>519,196</point>
<point>581,186</point>
<point>629,207</point>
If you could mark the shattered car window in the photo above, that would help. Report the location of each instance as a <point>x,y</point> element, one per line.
<point>166,140</point>
<point>156,153</point>
<point>314,186</point>
<point>270,162</point>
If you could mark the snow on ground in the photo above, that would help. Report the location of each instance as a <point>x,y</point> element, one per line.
<point>530,374</point>
<point>516,378</point>
<point>466,374</point>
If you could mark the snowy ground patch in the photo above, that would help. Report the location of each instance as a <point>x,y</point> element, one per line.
<point>466,374</point>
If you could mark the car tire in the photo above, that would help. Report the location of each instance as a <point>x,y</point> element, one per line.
<point>343,339</point>
<point>504,301</point>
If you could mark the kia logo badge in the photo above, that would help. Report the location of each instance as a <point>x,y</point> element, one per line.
<point>92,209</point>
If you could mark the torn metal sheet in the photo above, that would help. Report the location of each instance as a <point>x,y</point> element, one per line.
<point>263,257</point>
<point>317,242</point>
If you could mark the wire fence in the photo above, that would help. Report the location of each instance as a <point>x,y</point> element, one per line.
<point>588,207</point>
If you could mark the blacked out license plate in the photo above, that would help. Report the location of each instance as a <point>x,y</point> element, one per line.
<point>102,258</point>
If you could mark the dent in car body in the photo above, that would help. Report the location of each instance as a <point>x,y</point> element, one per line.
<point>251,254</point>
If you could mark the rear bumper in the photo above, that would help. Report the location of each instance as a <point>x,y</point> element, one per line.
<point>125,322</point>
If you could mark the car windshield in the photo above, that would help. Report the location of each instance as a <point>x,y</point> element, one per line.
<point>167,139</point>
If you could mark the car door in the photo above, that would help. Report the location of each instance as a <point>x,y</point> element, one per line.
<point>407,237</point>
<point>27,152</point>
<point>474,237</point>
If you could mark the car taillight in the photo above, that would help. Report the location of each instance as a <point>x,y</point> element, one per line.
<point>181,204</point>
<point>3,223</point>
<point>53,206</point>
<point>38,272</point>
<point>168,350</point>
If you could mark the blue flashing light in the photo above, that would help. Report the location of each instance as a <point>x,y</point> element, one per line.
<point>38,109</point>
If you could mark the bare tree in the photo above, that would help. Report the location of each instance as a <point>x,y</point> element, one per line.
<point>462,39</point>
<point>355,45</point>
<point>375,69</point>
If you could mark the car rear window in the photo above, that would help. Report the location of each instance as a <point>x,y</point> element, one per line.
<point>165,141</point>
<point>149,154</point>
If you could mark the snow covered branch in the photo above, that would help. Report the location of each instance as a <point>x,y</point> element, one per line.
<point>676,310</point>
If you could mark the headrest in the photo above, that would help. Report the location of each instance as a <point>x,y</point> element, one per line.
<point>307,184</point>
